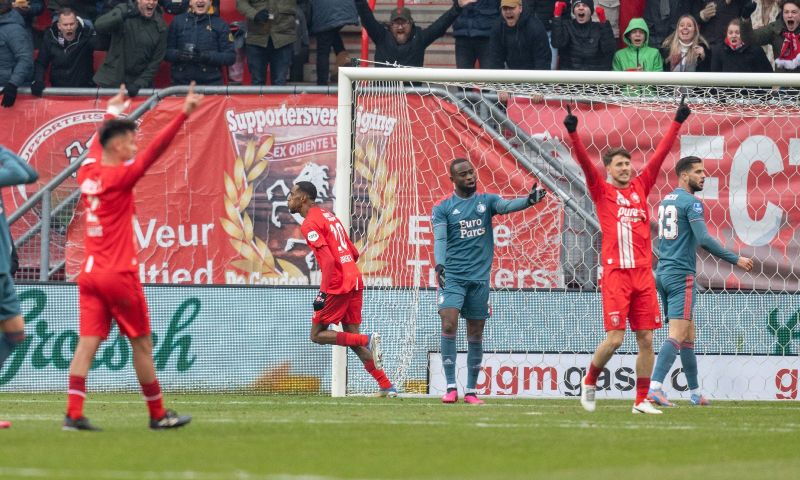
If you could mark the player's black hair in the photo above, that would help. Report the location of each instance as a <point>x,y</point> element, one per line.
<point>455,162</point>
<point>610,154</point>
<point>115,127</point>
<point>308,188</point>
<point>685,164</point>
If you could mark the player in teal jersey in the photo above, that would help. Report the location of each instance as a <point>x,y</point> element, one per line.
<point>463,250</point>
<point>13,171</point>
<point>681,228</point>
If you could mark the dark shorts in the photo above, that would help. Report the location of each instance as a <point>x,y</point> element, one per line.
<point>471,298</point>
<point>107,296</point>
<point>678,295</point>
<point>629,296</point>
<point>341,308</point>
<point>9,303</point>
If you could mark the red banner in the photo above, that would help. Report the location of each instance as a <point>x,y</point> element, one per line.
<point>751,188</point>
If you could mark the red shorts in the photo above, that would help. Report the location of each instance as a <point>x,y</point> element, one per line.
<point>341,308</point>
<point>630,294</point>
<point>117,295</point>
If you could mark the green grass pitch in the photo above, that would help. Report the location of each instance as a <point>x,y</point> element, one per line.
<point>319,438</point>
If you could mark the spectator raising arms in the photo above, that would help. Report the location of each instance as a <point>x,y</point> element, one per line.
<point>735,56</point>
<point>638,56</point>
<point>783,35</point>
<point>138,39</point>
<point>403,42</point>
<point>198,45</point>
<point>582,44</point>
<point>16,53</point>
<point>685,50</point>
<point>519,42</point>
<point>67,49</point>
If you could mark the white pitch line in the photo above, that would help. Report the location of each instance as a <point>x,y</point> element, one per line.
<point>152,475</point>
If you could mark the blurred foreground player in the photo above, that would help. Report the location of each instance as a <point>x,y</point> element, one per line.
<point>108,284</point>
<point>13,171</point>
<point>341,289</point>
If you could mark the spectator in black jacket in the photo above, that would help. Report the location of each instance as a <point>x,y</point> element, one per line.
<point>472,30</point>
<point>582,44</point>
<point>662,16</point>
<point>543,9</point>
<point>519,42</point>
<point>735,56</point>
<point>199,45</point>
<point>715,15</point>
<point>402,42</point>
<point>68,49</point>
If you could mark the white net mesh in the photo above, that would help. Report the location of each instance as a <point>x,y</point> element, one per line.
<point>546,310</point>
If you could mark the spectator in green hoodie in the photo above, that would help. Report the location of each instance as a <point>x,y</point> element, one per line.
<point>638,56</point>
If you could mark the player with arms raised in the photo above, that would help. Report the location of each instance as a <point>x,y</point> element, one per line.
<point>681,228</point>
<point>463,250</point>
<point>108,284</point>
<point>628,287</point>
<point>341,290</point>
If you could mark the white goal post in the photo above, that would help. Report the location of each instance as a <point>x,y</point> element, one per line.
<point>397,130</point>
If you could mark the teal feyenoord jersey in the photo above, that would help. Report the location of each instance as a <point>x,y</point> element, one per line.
<point>470,239</point>
<point>681,228</point>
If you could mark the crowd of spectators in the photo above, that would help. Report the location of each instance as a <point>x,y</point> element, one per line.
<point>138,35</point>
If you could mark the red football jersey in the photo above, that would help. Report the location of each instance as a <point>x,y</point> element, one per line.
<point>623,212</point>
<point>107,195</point>
<point>335,253</point>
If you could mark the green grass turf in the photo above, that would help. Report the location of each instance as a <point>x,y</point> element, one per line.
<point>271,437</point>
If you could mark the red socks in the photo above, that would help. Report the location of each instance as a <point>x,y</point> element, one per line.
<point>76,394</point>
<point>379,375</point>
<point>592,374</point>
<point>642,386</point>
<point>344,339</point>
<point>152,395</point>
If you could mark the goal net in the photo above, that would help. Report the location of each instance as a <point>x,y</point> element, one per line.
<point>400,128</point>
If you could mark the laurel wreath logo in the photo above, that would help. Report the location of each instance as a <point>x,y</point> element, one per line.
<point>382,223</point>
<point>254,254</point>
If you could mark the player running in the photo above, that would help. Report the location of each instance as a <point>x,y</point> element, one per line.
<point>341,289</point>
<point>628,288</point>
<point>13,171</point>
<point>463,250</point>
<point>681,228</point>
<point>108,284</point>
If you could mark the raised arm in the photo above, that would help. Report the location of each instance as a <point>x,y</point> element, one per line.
<point>375,30</point>
<point>14,170</point>
<point>581,155</point>
<point>653,166</point>
<point>440,26</point>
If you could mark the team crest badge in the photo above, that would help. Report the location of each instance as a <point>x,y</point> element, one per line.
<point>698,207</point>
<point>635,197</point>
<point>480,208</point>
<point>615,320</point>
<point>441,299</point>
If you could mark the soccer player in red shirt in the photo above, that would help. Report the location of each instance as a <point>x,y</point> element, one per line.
<point>341,289</point>
<point>108,284</point>
<point>628,287</point>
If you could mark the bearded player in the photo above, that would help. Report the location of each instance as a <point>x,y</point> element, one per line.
<point>108,284</point>
<point>628,287</point>
<point>341,289</point>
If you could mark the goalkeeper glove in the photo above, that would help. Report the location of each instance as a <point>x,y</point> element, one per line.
<point>440,275</point>
<point>536,195</point>
<point>319,301</point>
